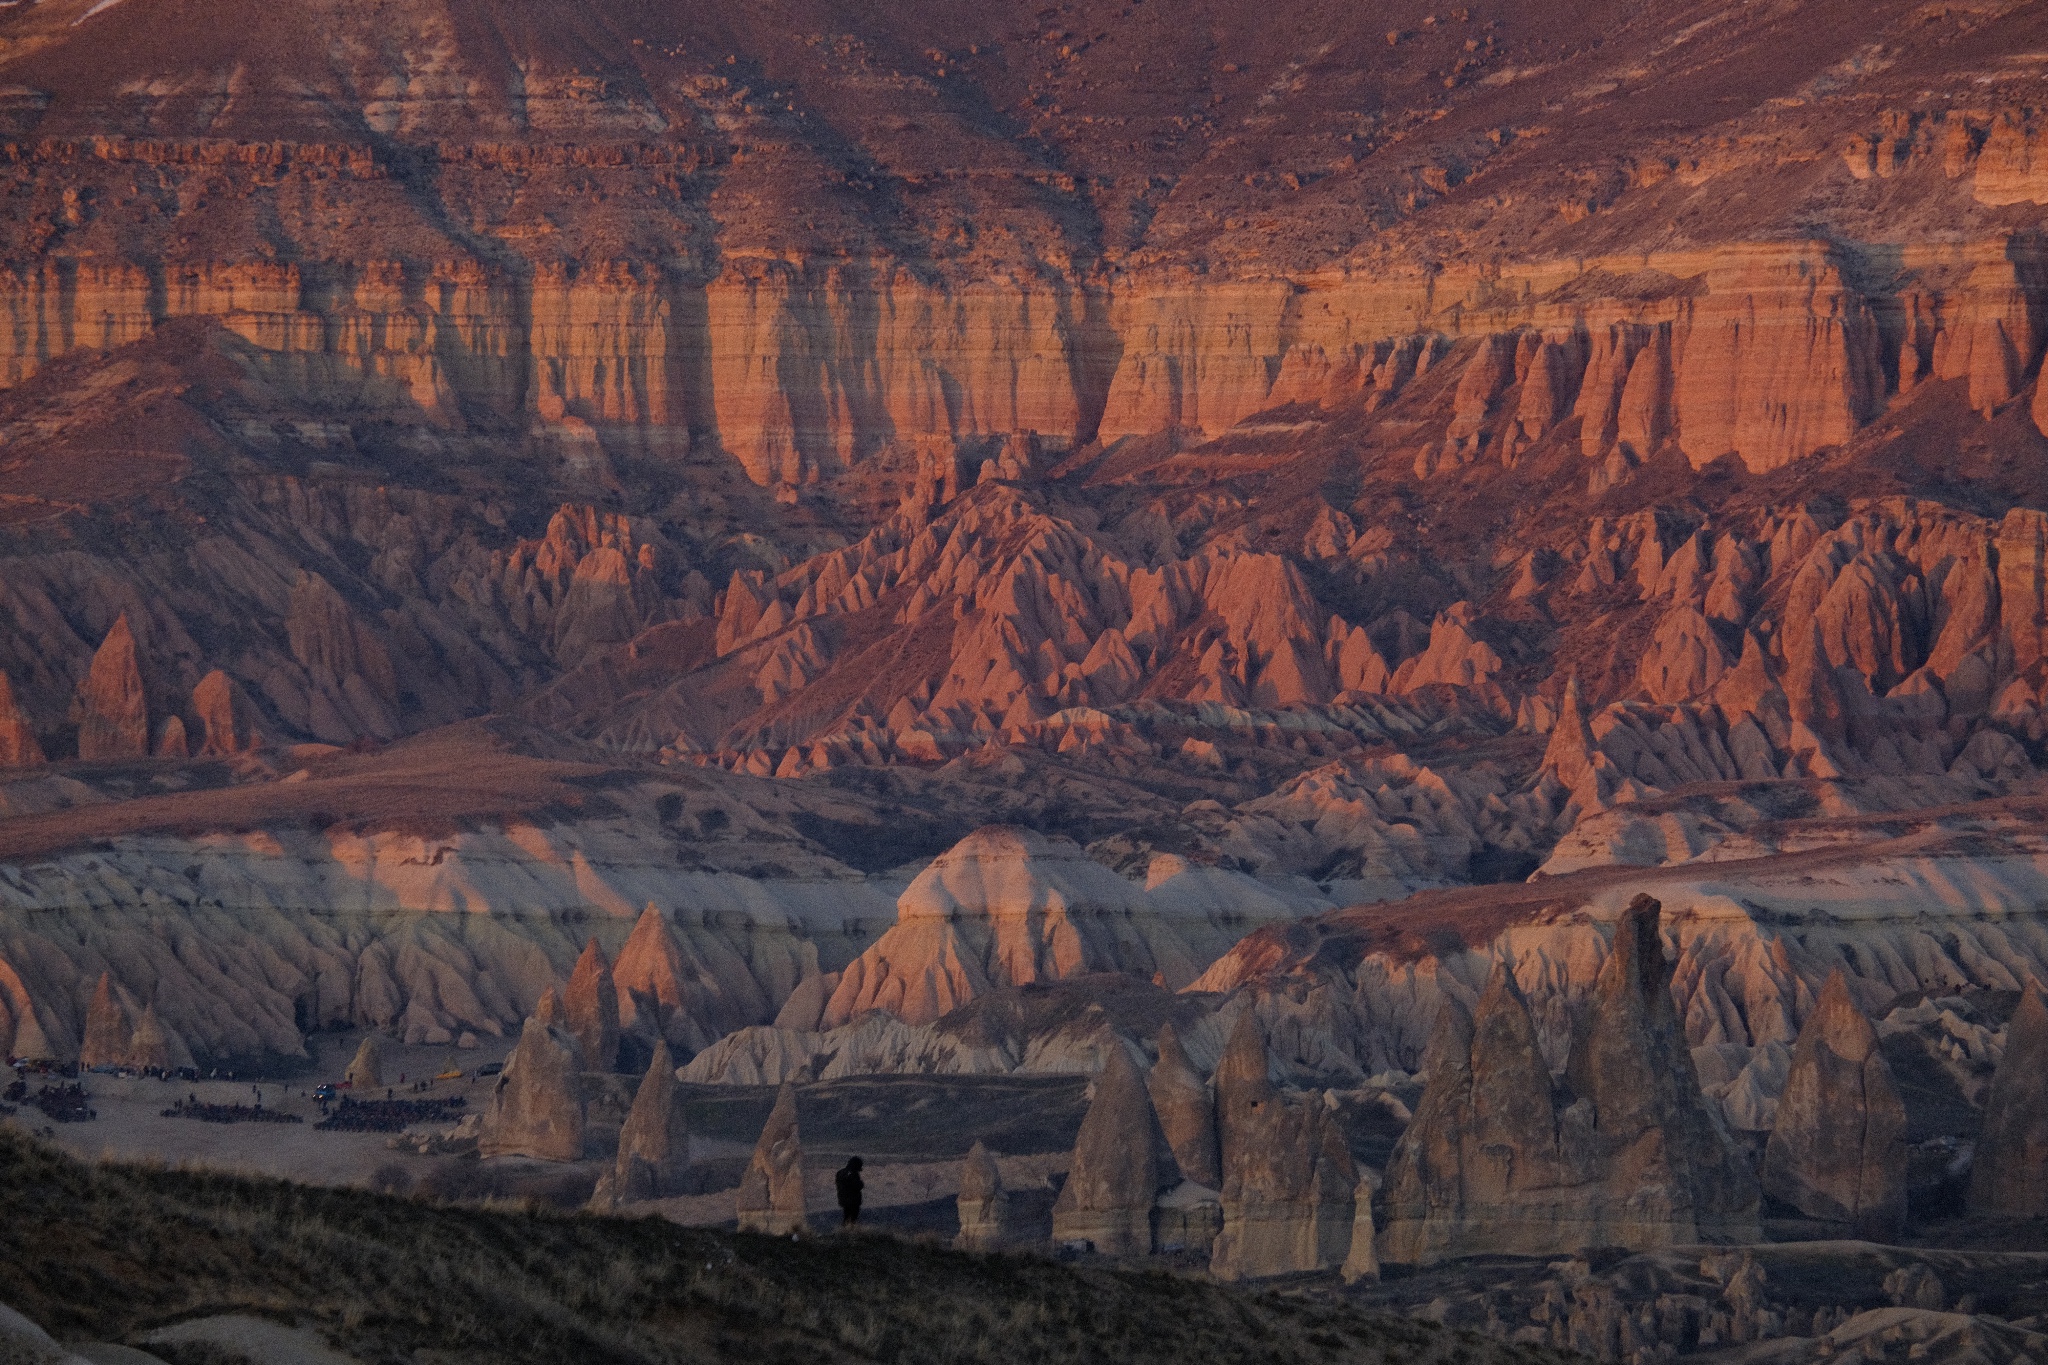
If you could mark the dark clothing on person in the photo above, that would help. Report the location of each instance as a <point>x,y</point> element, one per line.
<point>849,1185</point>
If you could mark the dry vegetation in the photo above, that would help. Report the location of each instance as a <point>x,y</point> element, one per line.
<point>106,1252</point>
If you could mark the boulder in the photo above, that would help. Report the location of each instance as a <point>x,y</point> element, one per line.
<point>1287,1177</point>
<point>1186,1106</point>
<point>1107,1200</point>
<point>18,747</point>
<point>366,1072</point>
<point>2010,1178</point>
<point>771,1195</point>
<point>592,1007</point>
<point>983,1203</point>
<point>113,716</point>
<point>536,1109</point>
<point>654,1144</point>
<point>1838,1149</point>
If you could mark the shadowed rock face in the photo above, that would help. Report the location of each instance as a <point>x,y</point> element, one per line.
<point>983,1203</point>
<point>1500,1158</point>
<point>1186,1105</point>
<point>536,1109</point>
<point>18,746</point>
<point>1108,1197</point>
<point>2010,1177</point>
<point>771,1194</point>
<point>1837,1151</point>
<point>1288,1182</point>
<point>654,1143</point>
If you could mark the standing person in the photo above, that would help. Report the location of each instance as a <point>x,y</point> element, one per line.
<point>849,1185</point>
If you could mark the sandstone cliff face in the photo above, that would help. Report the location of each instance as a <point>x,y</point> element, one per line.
<point>2010,1176</point>
<point>1837,1150</point>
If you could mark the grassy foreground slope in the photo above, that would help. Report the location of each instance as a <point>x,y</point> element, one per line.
<point>107,1252</point>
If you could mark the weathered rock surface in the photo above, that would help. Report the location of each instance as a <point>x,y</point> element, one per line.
<point>591,1004</point>
<point>2010,1175</point>
<point>1288,1181</point>
<point>365,1071</point>
<point>983,1204</point>
<point>1627,1153</point>
<point>654,1143</point>
<point>18,746</point>
<point>112,714</point>
<point>771,1194</point>
<point>1837,1150</point>
<point>536,1108</point>
<point>1106,1203</point>
<point>1186,1105</point>
<point>1008,906</point>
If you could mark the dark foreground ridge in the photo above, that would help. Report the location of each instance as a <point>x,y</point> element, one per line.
<point>108,1253</point>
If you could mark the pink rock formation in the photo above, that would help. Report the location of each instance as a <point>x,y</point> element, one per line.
<point>591,1006</point>
<point>2010,1176</point>
<point>113,718</point>
<point>227,720</point>
<point>771,1194</point>
<point>1837,1151</point>
<point>18,747</point>
<point>1106,1203</point>
<point>1002,907</point>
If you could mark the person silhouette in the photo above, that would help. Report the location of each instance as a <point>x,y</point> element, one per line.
<point>849,1185</point>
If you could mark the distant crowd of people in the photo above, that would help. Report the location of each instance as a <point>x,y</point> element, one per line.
<point>350,1115</point>
<point>194,1108</point>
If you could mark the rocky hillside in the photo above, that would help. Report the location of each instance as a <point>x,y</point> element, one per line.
<point>351,1276</point>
